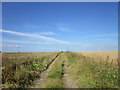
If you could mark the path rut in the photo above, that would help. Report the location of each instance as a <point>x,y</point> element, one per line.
<point>40,82</point>
<point>68,80</point>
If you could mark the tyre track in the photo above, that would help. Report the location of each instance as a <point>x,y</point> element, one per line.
<point>40,82</point>
<point>68,80</point>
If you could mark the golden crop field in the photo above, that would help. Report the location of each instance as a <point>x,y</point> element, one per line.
<point>102,54</point>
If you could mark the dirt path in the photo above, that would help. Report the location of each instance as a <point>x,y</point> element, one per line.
<point>68,81</point>
<point>40,82</point>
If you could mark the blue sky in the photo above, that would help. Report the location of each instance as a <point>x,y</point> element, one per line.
<point>60,26</point>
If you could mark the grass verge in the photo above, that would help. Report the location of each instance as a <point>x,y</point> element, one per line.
<point>93,73</point>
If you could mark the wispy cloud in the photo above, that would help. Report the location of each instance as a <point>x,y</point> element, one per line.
<point>106,35</point>
<point>37,27</point>
<point>16,41</point>
<point>24,42</point>
<point>37,36</point>
<point>106,46</point>
<point>11,45</point>
<point>64,28</point>
<point>46,33</point>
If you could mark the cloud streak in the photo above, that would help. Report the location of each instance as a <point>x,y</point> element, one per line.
<point>11,45</point>
<point>36,36</point>
<point>64,28</point>
<point>46,33</point>
<point>25,42</point>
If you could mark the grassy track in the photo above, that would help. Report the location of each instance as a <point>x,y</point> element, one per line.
<point>68,79</point>
<point>69,70</point>
<point>54,78</point>
<point>40,82</point>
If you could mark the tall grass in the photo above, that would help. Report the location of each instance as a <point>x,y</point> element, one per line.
<point>93,73</point>
<point>20,70</point>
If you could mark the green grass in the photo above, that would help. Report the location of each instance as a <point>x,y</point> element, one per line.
<point>93,74</point>
<point>54,78</point>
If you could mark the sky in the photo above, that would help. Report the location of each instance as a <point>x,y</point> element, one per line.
<point>59,26</point>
